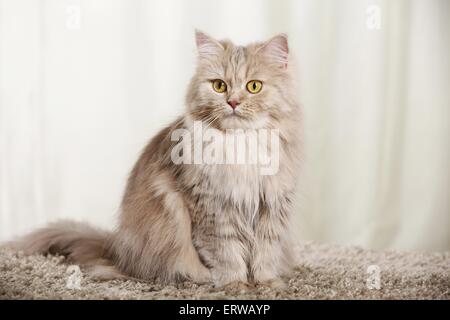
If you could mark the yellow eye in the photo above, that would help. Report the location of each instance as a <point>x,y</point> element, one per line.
<point>254,86</point>
<point>219,86</point>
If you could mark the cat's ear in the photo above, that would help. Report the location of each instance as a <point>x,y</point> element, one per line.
<point>276,50</point>
<point>207,46</point>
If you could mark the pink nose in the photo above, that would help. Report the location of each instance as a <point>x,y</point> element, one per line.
<point>233,103</point>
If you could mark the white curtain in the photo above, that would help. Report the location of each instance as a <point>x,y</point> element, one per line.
<point>84,84</point>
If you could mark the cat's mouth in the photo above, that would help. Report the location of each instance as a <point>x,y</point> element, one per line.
<point>237,120</point>
<point>236,117</point>
<point>234,114</point>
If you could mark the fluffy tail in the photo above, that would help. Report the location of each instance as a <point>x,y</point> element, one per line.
<point>78,242</point>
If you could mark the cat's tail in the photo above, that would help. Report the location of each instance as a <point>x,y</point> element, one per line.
<point>79,242</point>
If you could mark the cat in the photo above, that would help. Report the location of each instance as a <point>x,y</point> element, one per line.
<point>225,224</point>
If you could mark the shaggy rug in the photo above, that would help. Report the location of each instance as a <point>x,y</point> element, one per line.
<point>326,272</point>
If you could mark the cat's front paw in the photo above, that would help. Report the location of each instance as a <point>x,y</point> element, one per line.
<point>226,280</point>
<point>202,276</point>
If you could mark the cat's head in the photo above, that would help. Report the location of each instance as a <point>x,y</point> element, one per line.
<point>241,86</point>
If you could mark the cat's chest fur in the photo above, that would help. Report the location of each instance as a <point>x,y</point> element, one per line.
<point>230,189</point>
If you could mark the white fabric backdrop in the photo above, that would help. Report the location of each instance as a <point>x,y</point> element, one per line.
<point>84,84</point>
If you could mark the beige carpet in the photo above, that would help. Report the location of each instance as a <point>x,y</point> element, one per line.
<point>327,272</point>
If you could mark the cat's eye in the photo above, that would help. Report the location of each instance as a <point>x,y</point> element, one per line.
<point>254,86</point>
<point>219,86</point>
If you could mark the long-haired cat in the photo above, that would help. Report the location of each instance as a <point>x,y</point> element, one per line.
<point>222,223</point>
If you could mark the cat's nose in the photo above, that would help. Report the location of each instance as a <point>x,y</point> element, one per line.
<point>233,103</point>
